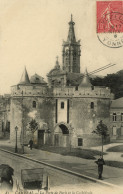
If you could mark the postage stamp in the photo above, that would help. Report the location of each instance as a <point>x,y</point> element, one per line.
<point>110,23</point>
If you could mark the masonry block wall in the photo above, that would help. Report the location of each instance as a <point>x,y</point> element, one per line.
<point>4,115</point>
<point>86,108</point>
<point>23,111</point>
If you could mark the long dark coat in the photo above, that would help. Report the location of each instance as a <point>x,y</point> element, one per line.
<point>100,162</point>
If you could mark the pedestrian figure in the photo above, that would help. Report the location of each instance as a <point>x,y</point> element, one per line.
<point>100,162</point>
<point>30,143</point>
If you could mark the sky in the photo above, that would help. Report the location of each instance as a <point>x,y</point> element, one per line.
<point>32,32</point>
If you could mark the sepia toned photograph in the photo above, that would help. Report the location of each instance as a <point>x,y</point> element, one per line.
<point>61,97</point>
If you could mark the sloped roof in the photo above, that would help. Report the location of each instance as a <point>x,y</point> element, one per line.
<point>85,80</point>
<point>118,103</point>
<point>71,34</point>
<point>36,79</point>
<point>24,77</point>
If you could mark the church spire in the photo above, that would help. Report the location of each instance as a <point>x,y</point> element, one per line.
<point>24,77</point>
<point>71,35</point>
<point>71,51</point>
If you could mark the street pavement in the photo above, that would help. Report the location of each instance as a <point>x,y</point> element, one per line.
<point>57,179</point>
<point>111,175</point>
<point>114,156</point>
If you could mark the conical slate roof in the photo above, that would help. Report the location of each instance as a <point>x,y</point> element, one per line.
<point>85,80</point>
<point>24,77</point>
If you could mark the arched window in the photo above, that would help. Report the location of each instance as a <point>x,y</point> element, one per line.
<point>114,116</point>
<point>62,105</point>
<point>92,105</point>
<point>34,104</point>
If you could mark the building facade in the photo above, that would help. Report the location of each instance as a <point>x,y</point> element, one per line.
<point>116,120</point>
<point>67,108</point>
<point>5,116</point>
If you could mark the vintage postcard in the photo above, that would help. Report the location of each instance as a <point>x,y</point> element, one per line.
<point>61,97</point>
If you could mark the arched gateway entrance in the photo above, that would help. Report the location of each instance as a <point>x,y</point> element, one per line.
<point>61,136</point>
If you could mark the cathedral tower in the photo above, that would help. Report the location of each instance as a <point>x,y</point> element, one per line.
<point>71,51</point>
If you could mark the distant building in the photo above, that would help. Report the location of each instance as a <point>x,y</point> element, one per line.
<point>116,120</point>
<point>5,116</point>
<point>67,108</point>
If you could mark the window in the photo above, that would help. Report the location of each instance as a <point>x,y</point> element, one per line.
<point>92,105</point>
<point>8,126</point>
<point>76,88</point>
<point>80,141</point>
<point>114,116</point>
<point>34,104</point>
<point>62,105</point>
<point>121,116</point>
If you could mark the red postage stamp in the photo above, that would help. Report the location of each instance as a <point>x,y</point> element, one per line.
<point>110,23</point>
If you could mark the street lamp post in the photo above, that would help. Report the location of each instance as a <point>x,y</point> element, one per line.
<point>16,149</point>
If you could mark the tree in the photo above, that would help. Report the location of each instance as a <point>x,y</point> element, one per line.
<point>33,125</point>
<point>102,131</point>
<point>113,81</point>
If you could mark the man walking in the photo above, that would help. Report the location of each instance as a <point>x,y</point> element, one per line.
<point>100,162</point>
<point>30,143</point>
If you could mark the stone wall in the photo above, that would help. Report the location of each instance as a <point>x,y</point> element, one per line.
<point>83,109</point>
<point>83,119</point>
<point>43,114</point>
<point>4,116</point>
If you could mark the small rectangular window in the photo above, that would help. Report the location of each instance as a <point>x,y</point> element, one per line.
<point>114,117</point>
<point>62,105</point>
<point>80,142</point>
<point>76,88</point>
<point>8,126</point>
<point>34,104</point>
<point>92,105</point>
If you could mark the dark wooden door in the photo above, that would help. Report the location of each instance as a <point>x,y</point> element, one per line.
<point>40,137</point>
